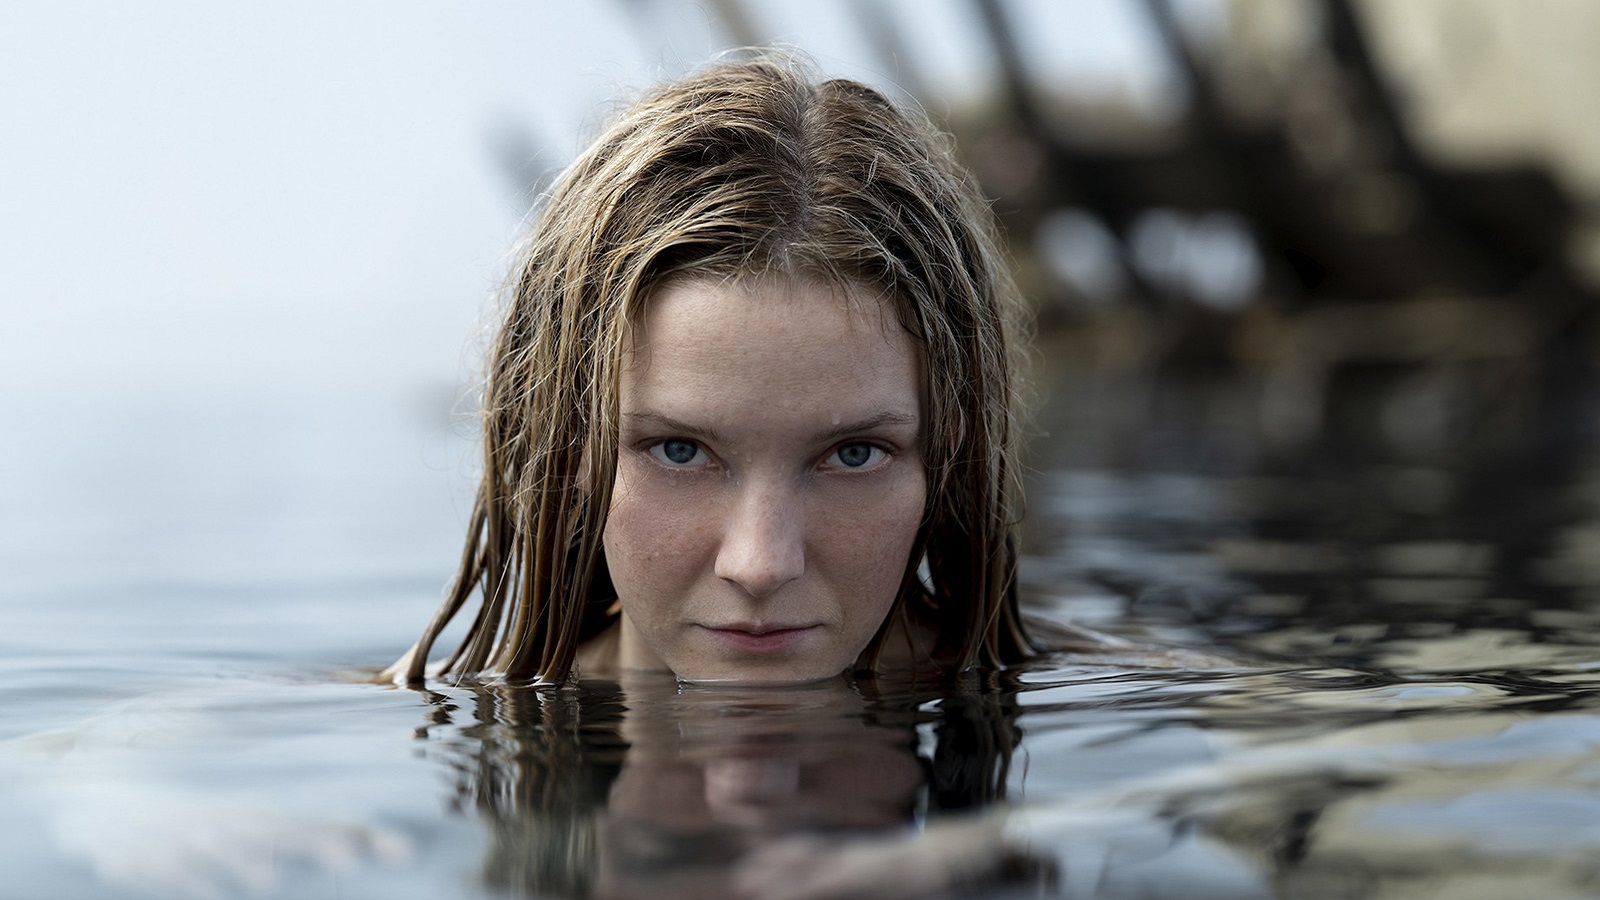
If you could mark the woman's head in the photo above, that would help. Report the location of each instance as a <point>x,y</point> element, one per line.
<point>800,203</point>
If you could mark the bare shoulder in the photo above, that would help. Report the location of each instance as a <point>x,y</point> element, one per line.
<point>599,656</point>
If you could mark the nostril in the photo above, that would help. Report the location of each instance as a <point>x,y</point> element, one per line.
<point>759,570</point>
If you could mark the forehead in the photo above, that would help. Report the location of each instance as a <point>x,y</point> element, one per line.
<point>776,340</point>
<point>769,294</point>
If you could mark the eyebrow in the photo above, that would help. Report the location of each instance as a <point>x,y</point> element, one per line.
<point>889,418</point>
<point>886,418</point>
<point>674,426</point>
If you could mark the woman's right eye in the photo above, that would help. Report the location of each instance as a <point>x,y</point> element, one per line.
<point>679,454</point>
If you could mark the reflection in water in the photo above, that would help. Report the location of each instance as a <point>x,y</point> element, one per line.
<point>1086,781</point>
<point>665,790</point>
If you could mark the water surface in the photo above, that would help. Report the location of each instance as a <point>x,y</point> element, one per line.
<point>1406,707</point>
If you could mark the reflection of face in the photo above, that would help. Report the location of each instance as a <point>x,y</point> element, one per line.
<point>709,778</point>
<point>769,481</point>
<point>767,775</point>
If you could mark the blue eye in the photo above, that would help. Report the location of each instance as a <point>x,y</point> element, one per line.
<point>677,452</point>
<point>856,456</point>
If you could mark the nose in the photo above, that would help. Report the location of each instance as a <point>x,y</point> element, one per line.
<point>763,542</point>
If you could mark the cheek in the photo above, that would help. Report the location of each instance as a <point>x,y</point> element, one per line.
<point>874,544</point>
<point>651,532</point>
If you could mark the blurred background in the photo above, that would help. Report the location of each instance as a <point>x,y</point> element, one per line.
<point>247,254</point>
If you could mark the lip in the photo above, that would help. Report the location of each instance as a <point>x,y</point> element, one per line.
<point>753,638</point>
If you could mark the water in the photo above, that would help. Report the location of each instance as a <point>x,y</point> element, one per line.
<point>1403,704</point>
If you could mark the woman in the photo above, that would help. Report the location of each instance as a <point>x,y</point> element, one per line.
<point>749,416</point>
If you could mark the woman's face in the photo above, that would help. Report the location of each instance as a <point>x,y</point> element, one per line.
<point>769,481</point>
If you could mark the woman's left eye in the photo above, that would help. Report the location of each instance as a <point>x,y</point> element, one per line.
<point>856,456</point>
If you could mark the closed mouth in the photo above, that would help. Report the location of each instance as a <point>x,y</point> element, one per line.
<point>761,638</point>
<point>759,630</point>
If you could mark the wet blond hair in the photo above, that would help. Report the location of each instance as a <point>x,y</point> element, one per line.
<point>745,169</point>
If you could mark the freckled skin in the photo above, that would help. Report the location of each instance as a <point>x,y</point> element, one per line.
<point>769,481</point>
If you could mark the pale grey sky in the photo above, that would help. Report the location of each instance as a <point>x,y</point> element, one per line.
<point>304,196</point>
